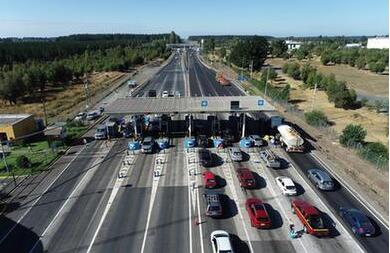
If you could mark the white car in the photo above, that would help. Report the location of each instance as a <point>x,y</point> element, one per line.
<point>165,94</point>
<point>80,116</point>
<point>286,185</point>
<point>235,154</point>
<point>220,242</point>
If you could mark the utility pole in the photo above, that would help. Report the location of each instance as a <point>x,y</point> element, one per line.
<point>266,83</point>
<point>242,67</point>
<point>314,96</point>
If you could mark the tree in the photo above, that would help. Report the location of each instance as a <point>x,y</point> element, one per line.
<point>209,45</point>
<point>306,70</point>
<point>326,58</point>
<point>316,118</point>
<point>278,48</point>
<point>174,38</point>
<point>254,49</point>
<point>353,134</point>
<point>360,62</point>
<point>270,72</point>
<point>377,67</point>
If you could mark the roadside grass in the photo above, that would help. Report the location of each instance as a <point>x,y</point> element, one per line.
<point>368,83</point>
<point>38,153</point>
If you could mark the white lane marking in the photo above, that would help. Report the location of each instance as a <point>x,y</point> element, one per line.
<point>72,196</point>
<point>235,198</point>
<point>152,198</point>
<point>199,221</point>
<point>278,202</point>
<point>352,191</point>
<point>114,192</point>
<point>189,211</point>
<point>335,218</point>
<point>44,192</point>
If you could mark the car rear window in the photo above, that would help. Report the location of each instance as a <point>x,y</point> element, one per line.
<point>214,208</point>
<point>290,187</point>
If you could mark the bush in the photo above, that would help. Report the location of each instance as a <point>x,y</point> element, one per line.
<point>23,162</point>
<point>352,135</point>
<point>292,70</point>
<point>316,118</point>
<point>377,67</point>
<point>271,75</point>
<point>376,153</point>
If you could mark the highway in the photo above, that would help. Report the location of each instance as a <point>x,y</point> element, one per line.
<point>84,207</point>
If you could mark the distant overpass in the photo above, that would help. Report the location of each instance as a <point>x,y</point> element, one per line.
<point>190,44</point>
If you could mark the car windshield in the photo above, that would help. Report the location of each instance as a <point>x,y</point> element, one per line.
<point>211,180</point>
<point>249,180</point>
<point>146,143</point>
<point>236,153</point>
<point>290,187</point>
<point>225,251</point>
<point>214,208</point>
<point>316,222</point>
<point>259,207</point>
<point>100,130</point>
<point>262,219</point>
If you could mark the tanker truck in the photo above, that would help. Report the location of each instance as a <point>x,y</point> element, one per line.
<point>290,139</point>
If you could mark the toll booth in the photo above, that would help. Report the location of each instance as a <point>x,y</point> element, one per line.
<point>189,116</point>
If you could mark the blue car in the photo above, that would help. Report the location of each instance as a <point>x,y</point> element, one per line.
<point>190,142</point>
<point>359,223</point>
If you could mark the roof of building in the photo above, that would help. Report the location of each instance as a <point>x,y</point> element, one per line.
<point>11,119</point>
<point>158,105</point>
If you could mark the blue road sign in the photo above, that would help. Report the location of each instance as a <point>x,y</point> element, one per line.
<point>260,102</point>
<point>204,103</point>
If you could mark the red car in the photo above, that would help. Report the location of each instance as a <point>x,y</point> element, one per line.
<point>246,178</point>
<point>258,213</point>
<point>209,179</point>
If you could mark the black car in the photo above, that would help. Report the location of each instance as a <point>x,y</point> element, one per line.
<point>359,223</point>
<point>228,136</point>
<point>204,142</point>
<point>205,157</point>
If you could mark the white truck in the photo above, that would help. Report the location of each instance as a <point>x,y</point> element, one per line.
<point>290,139</point>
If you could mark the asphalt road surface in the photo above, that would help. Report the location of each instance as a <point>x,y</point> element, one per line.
<point>85,207</point>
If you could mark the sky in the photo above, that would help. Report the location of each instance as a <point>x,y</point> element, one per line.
<point>50,18</point>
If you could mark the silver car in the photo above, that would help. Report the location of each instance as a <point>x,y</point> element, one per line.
<point>235,154</point>
<point>320,179</point>
<point>270,159</point>
<point>256,140</point>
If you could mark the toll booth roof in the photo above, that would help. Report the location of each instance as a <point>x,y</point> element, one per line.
<point>183,105</point>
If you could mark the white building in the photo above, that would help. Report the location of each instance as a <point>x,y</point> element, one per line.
<point>293,44</point>
<point>378,42</point>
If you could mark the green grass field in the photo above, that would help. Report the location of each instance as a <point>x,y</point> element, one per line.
<point>38,153</point>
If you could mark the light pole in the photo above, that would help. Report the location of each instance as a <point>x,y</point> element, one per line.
<point>266,83</point>
<point>86,87</point>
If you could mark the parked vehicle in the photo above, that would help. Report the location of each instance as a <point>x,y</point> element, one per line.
<point>270,159</point>
<point>204,141</point>
<point>209,179</point>
<point>228,136</point>
<point>286,185</point>
<point>205,157</point>
<point>92,115</point>
<point>80,116</point>
<point>190,142</point>
<point>258,213</point>
<point>112,129</point>
<point>164,94</point>
<point>171,94</point>
<point>320,179</point>
<point>148,145</point>
<point>152,93</point>
<point>213,205</point>
<point>235,154</point>
<point>220,242</point>
<point>256,140</point>
<point>131,84</point>
<point>290,139</point>
<point>357,221</point>
<point>101,132</point>
<point>310,217</point>
<point>246,178</point>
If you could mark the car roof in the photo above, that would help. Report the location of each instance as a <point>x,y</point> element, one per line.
<point>357,214</point>
<point>208,174</point>
<point>235,149</point>
<point>308,208</point>
<point>323,174</point>
<point>254,136</point>
<point>148,138</point>
<point>245,173</point>
<point>287,181</point>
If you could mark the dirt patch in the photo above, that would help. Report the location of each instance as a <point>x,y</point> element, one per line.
<point>61,100</point>
<point>362,81</point>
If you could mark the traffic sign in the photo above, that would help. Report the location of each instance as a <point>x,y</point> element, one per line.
<point>260,102</point>
<point>204,103</point>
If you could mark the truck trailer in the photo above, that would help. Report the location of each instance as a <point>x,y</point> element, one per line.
<point>290,139</point>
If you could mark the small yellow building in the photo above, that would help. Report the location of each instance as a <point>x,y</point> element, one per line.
<point>15,126</point>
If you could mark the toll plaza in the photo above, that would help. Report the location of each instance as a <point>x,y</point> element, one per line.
<point>188,116</point>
